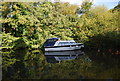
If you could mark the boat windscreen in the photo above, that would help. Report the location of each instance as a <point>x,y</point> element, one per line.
<point>50,42</point>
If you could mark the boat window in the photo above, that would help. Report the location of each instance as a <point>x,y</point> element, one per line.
<point>72,43</point>
<point>64,43</point>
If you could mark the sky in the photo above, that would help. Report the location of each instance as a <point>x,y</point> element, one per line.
<point>108,3</point>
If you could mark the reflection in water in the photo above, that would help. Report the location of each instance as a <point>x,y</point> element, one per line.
<point>75,52</point>
<point>53,57</point>
<point>32,64</point>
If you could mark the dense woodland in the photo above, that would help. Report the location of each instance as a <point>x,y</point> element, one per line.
<point>30,24</point>
<point>27,26</point>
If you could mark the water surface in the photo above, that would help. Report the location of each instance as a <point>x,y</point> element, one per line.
<point>33,64</point>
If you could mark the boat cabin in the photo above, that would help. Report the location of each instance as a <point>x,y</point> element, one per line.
<point>55,44</point>
<point>50,42</point>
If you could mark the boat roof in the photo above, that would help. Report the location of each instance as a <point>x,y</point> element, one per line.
<point>67,41</point>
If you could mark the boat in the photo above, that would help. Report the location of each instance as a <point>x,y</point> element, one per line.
<point>55,44</point>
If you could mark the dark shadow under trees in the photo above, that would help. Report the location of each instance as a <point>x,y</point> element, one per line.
<point>105,41</point>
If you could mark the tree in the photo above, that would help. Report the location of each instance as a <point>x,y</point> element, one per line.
<point>85,6</point>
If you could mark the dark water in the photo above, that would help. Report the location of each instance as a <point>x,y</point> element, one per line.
<point>62,65</point>
<point>57,57</point>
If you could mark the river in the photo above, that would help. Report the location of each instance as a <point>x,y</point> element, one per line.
<point>34,64</point>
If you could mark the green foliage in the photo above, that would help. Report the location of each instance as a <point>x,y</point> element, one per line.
<point>36,24</point>
<point>25,25</point>
<point>20,43</point>
<point>96,25</point>
<point>85,7</point>
<point>70,69</point>
<point>8,59</point>
<point>117,8</point>
<point>8,40</point>
<point>23,63</point>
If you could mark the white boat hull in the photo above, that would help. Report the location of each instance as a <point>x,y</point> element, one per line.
<point>64,48</point>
